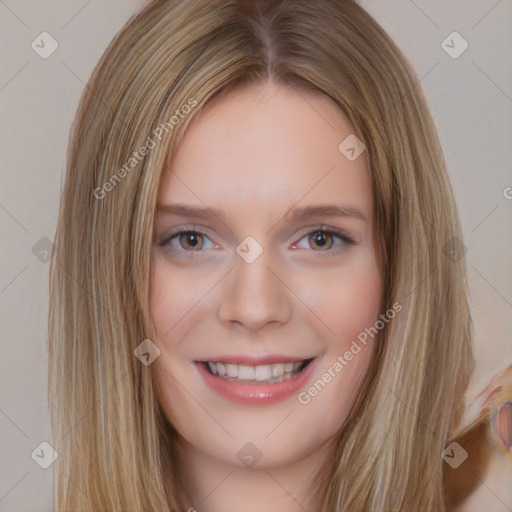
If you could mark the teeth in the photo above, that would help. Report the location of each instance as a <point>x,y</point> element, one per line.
<point>213,367</point>
<point>221,369</point>
<point>232,370</point>
<point>261,373</point>
<point>277,370</point>
<point>247,372</point>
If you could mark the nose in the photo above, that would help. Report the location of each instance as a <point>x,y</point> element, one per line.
<point>256,294</point>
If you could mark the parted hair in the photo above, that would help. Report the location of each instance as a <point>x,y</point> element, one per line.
<point>117,451</point>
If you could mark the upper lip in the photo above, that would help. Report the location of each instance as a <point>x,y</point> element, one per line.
<point>256,360</point>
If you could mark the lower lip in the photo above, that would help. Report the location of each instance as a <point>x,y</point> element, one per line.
<point>248,394</point>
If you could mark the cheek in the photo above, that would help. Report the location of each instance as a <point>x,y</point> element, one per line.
<point>174,293</point>
<point>171,300</point>
<point>358,301</point>
<point>346,299</point>
<point>164,302</point>
<point>332,392</point>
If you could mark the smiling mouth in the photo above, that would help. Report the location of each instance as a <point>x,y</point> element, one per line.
<point>260,374</point>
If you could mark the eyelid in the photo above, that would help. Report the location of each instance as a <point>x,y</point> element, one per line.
<point>165,239</point>
<point>341,234</point>
<point>345,239</point>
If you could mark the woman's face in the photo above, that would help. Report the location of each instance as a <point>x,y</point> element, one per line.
<point>277,267</point>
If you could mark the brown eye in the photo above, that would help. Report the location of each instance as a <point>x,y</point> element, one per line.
<point>320,239</point>
<point>190,240</point>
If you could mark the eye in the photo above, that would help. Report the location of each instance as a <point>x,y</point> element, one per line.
<point>323,239</point>
<point>189,243</point>
<point>188,240</point>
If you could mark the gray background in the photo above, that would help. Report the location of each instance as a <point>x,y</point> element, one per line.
<point>471,101</point>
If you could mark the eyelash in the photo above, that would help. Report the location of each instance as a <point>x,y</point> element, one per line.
<point>341,234</point>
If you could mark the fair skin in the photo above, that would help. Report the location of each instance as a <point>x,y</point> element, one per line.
<point>255,157</point>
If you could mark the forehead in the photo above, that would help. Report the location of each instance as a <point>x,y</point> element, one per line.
<point>266,143</point>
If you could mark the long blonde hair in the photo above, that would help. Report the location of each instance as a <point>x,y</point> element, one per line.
<point>116,449</point>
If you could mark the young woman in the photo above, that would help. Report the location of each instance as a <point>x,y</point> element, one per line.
<point>258,292</point>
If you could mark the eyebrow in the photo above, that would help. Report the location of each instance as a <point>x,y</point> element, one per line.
<point>296,214</point>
